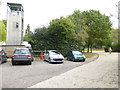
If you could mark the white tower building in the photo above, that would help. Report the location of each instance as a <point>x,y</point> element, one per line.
<point>15,24</point>
<point>119,15</point>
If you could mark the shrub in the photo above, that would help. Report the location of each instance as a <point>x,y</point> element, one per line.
<point>116,47</point>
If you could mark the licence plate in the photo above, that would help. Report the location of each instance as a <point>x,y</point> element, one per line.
<point>21,55</point>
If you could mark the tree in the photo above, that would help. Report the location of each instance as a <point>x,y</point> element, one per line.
<point>28,29</point>
<point>58,36</point>
<point>80,28</point>
<point>99,27</point>
<point>115,40</point>
<point>88,28</point>
<point>28,34</point>
<point>61,33</point>
<point>5,23</point>
<point>2,31</point>
<point>114,36</point>
<point>40,39</point>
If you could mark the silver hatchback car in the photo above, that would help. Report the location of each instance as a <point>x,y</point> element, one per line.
<point>53,56</point>
<point>22,55</point>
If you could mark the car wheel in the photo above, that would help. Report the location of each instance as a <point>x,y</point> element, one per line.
<point>13,63</point>
<point>30,63</point>
<point>49,60</point>
<point>73,60</point>
<point>84,60</point>
<point>5,61</point>
<point>32,59</point>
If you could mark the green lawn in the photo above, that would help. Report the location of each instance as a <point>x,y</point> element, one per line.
<point>98,49</point>
<point>89,55</point>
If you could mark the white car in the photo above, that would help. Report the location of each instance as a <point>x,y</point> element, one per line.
<point>53,56</point>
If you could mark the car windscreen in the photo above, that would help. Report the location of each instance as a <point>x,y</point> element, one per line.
<point>78,55</point>
<point>22,51</point>
<point>54,52</point>
<point>76,52</point>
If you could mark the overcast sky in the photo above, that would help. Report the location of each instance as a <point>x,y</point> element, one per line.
<point>39,13</point>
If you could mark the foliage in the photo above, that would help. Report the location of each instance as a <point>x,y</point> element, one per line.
<point>78,30</point>
<point>57,36</point>
<point>116,47</point>
<point>99,27</point>
<point>28,34</point>
<point>115,39</point>
<point>2,31</point>
<point>114,35</point>
<point>41,39</point>
<point>5,23</point>
<point>61,32</point>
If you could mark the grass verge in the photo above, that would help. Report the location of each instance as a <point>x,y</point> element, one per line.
<point>89,55</point>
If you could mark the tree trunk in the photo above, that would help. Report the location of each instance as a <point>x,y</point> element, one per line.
<point>83,49</point>
<point>88,48</point>
<point>91,49</point>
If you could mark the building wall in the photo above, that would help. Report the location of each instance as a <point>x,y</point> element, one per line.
<point>119,15</point>
<point>14,27</point>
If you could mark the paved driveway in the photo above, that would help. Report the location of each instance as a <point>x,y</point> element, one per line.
<point>102,73</point>
<point>22,76</point>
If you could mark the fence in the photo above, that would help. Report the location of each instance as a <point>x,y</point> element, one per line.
<point>36,53</point>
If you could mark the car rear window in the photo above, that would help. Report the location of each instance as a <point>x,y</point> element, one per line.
<point>22,51</point>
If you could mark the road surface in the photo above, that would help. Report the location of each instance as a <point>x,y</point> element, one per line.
<point>23,76</point>
<point>102,73</point>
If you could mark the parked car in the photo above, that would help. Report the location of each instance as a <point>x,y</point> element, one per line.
<point>3,57</point>
<point>53,56</point>
<point>75,56</point>
<point>22,55</point>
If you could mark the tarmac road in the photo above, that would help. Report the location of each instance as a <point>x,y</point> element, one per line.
<point>23,76</point>
<point>102,73</point>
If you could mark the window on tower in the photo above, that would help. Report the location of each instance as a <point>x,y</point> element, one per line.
<point>17,25</point>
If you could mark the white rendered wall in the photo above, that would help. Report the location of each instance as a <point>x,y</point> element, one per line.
<point>119,15</point>
<point>14,35</point>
